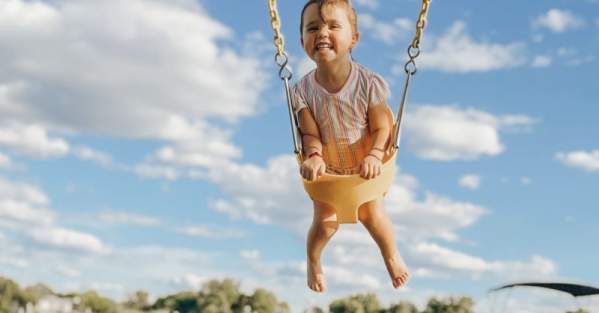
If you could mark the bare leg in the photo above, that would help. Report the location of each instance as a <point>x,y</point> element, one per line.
<point>378,224</point>
<point>324,225</point>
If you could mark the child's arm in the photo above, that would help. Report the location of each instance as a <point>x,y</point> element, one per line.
<point>310,134</point>
<point>313,165</point>
<point>379,129</point>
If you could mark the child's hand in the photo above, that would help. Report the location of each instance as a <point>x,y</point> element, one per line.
<point>313,168</point>
<point>371,167</point>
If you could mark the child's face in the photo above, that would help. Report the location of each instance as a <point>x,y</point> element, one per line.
<point>331,40</point>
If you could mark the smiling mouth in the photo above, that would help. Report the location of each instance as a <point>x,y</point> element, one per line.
<point>323,46</point>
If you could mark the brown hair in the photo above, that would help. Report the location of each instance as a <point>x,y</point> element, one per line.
<point>353,17</point>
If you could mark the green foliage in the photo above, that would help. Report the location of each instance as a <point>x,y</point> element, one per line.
<point>578,311</point>
<point>450,305</point>
<point>367,303</point>
<point>402,307</point>
<point>182,302</point>
<point>97,304</point>
<point>138,300</point>
<point>222,297</point>
<point>10,295</point>
<point>36,292</point>
<point>264,301</point>
<point>218,296</point>
<point>314,309</point>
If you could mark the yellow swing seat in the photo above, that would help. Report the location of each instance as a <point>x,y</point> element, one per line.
<point>346,193</point>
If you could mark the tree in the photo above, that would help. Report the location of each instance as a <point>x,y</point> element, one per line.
<point>368,303</point>
<point>314,309</point>
<point>97,304</point>
<point>449,305</point>
<point>10,295</point>
<point>182,302</point>
<point>36,292</point>
<point>402,307</point>
<point>138,300</point>
<point>219,296</point>
<point>264,301</point>
<point>578,311</point>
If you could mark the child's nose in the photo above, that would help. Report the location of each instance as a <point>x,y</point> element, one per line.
<point>323,32</point>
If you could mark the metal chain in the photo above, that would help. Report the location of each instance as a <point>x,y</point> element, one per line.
<point>285,74</point>
<point>280,57</point>
<point>275,23</point>
<point>414,48</point>
<point>420,24</point>
<point>410,69</point>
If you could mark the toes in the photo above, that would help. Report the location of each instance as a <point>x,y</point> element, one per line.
<point>400,280</point>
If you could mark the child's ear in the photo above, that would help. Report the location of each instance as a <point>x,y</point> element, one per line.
<point>355,39</point>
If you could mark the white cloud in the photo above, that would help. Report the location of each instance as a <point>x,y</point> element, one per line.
<point>153,70</point>
<point>435,216</point>
<point>86,153</point>
<point>250,254</point>
<point>448,133</point>
<point>189,281</point>
<point>112,217</point>
<point>558,21</point>
<point>68,272</point>
<point>156,171</point>
<point>447,259</point>
<point>5,161</point>
<point>389,33</point>
<point>348,277</point>
<point>525,180</point>
<point>22,209</point>
<point>69,240</point>
<point>470,181</point>
<point>20,263</point>
<point>573,57</point>
<point>210,232</point>
<point>586,160</point>
<point>541,61</point>
<point>21,192</point>
<point>280,201</point>
<point>456,51</point>
<point>32,140</point>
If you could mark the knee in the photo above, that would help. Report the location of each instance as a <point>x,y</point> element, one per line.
<point>364,215</point>
<point>325,227</point>
<point>369,212</point>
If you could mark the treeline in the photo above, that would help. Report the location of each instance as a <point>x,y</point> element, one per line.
<point>214,297</point>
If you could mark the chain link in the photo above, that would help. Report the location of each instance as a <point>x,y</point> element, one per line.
<point>420,23</point>
<point>275,23</point>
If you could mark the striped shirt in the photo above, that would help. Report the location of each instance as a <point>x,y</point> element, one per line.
<point>342,117</point>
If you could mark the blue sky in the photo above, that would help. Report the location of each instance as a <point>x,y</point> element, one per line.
<point>145,145</point>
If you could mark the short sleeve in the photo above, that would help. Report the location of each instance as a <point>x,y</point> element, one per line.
<point>298,101</point>
<point>378,90</point>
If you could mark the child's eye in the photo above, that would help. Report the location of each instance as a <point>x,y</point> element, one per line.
<point>311,29</point>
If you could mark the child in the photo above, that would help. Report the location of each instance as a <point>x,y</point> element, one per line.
<point>341,108</point>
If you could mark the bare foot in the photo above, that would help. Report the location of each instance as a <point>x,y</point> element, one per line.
<point>316,277</point>
<point>397,270</point>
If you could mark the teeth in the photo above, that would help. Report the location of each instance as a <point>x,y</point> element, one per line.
<point>323,45</point>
